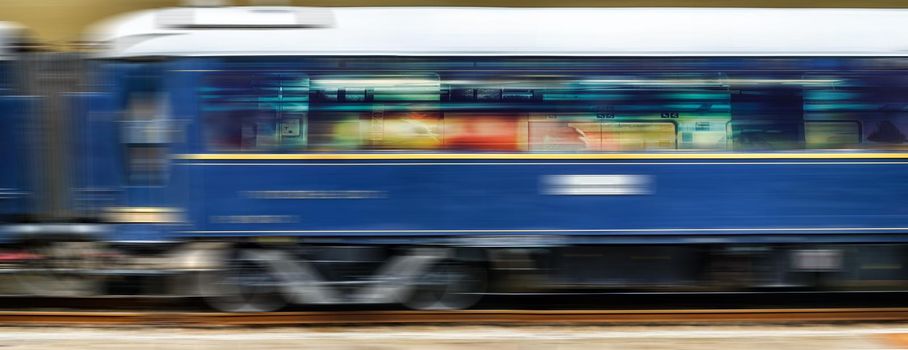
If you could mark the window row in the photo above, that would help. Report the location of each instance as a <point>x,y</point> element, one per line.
<point>563,111</point>
<point>534,133</point>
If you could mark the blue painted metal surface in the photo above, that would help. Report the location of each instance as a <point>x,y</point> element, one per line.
<point>15,191</point>
<point>736,200</point>
<point>689,201</point>
<point>16,112</point>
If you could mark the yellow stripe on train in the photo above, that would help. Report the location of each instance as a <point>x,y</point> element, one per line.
<point>531,156</point>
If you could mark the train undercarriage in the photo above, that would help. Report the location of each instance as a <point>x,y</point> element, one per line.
<point>266,274</point>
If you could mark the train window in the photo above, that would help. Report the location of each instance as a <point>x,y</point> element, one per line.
<point>335,131</point>
<point>376,130</point>
<point>767,118</point>
<point>375,111</point>
<point>416,130</point>
<point>407,130</point>
<point>236,131</point>
<point>485,132</point>
<point>256,111</point>
<point>755,135</point>
<point>832,134</point>
<point>637,136</point>
<point>707,132</point>
<point>146,133</point>
<point>861,109</point>
<point>589,134</point>
<point>887,132</point>
<point>549,133</point>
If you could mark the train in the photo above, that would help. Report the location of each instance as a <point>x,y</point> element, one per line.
<point>15,108</point>
<point>261,156</point>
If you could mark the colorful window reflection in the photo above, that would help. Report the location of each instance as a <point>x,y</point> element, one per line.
<point>565,134</point>
<point>833,134</point>
<point>426,131</point>
<point>587,134</point>
<point>484,132</point>
<point>404,130</point>
<point>499,105</point>
<point>631,136</point>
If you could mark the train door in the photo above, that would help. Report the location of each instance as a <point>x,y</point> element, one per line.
<point>128,134</point>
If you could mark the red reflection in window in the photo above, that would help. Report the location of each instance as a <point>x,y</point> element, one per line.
<point>482,132</point>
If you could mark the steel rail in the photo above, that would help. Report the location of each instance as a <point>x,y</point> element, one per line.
<point>504,317</point>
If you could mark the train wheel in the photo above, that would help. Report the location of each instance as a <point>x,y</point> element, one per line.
<point>448,285</point>
<point>244,284</point>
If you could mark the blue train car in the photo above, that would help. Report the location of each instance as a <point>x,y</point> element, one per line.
<point>433,155</point>
<point>15,111</point>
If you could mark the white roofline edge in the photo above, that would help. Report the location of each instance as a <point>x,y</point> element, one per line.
<point>484,32</point>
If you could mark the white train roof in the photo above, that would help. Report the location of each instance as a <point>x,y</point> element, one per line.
<point>439,31</point>
<point>10,33</point>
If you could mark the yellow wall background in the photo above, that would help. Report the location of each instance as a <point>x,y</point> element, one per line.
<point>61,21</point>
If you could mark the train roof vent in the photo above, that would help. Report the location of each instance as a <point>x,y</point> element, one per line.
<point>246,18</point>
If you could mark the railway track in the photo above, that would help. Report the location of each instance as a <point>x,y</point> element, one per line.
<point>504,317</point>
